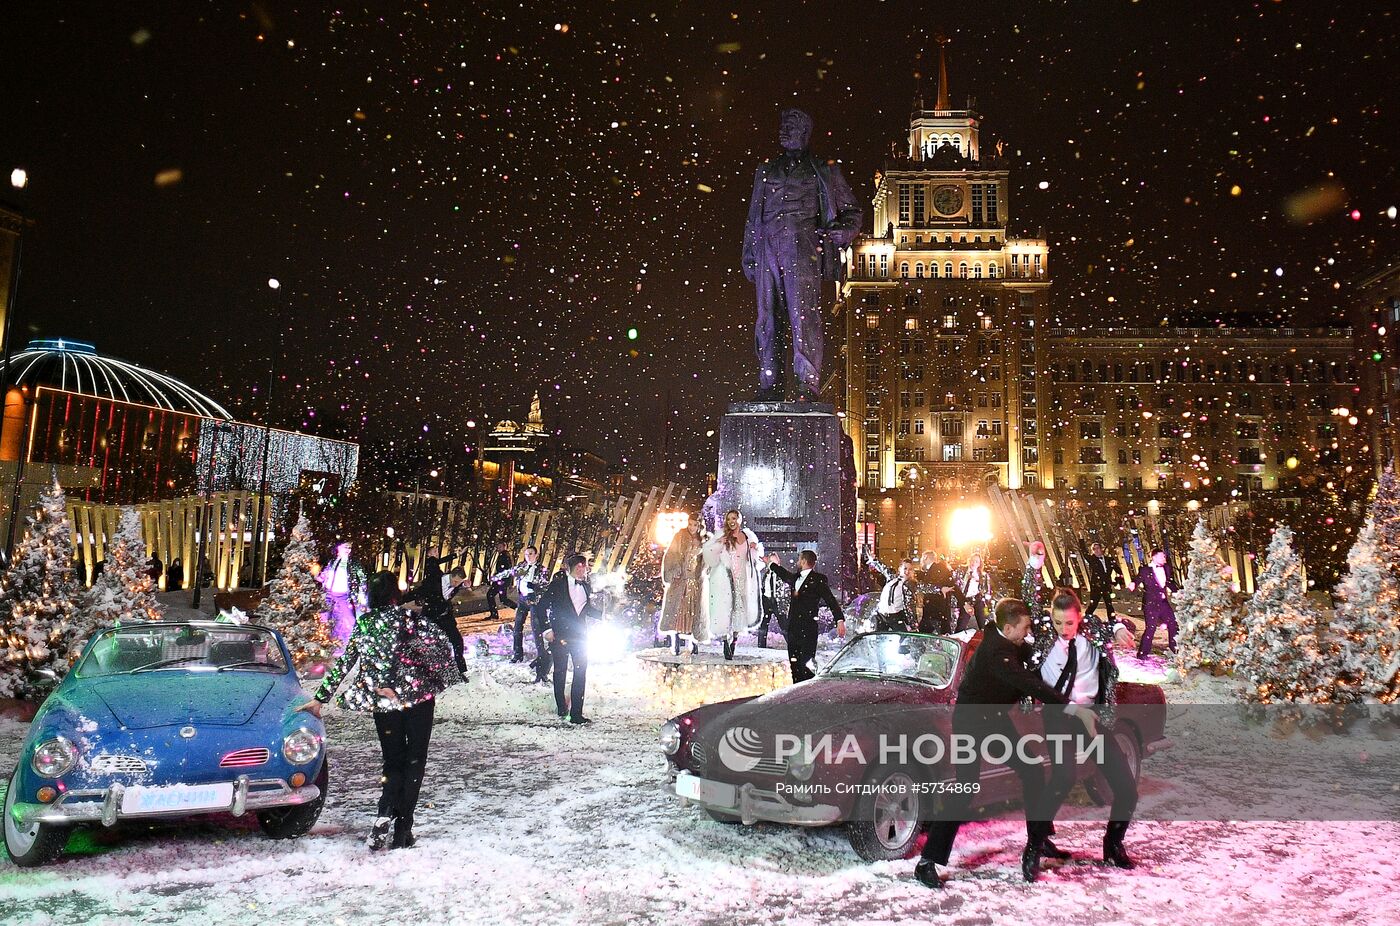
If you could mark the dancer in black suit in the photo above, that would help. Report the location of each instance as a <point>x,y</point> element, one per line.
<point>996,678</point>
<point>568,606</point>
<point>1103,575</point>
<point>1157,584</point>
<point>810,590</point>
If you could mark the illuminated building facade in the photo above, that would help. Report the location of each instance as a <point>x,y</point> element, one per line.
<point>1376,320</point>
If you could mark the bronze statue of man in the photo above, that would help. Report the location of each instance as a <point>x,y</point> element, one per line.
<point>802,215</point>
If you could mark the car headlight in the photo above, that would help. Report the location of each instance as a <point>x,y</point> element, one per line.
<point>301,746</point>
<point>670,738</point>
<point>801,769</point>
<point>53,757</point>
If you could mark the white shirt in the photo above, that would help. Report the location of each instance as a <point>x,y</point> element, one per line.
<point>892,597</point>
<point>446,586</point>
<point>974,585</point>
<point>527,580</point>
<point>339,583</point>
<point>1161,573</point>
<point>1085,686</point>
<point>577,594</point>
<point>797,586</point>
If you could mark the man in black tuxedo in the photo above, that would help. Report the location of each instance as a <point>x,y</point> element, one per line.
<point>771,601</point>
<point>996,678</point>
<point>810,590</point>
<point>496,590</point>
<point>1103,575</point>
<point>934,574</point>
<point>568,606</point>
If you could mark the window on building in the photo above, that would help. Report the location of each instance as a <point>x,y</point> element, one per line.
<point>951,427</point>
<point>976,204</point>
<point>950,321</point>
<point>918,400</point>
<point>952,453</point>
<point>981,400</point>
<point>1090,454</point>
<point>1032,480</point>
<point>918,425</point>
<point>919,270</point>
<point>933,269</point>
<point>872,321</point>
<point>948,269</point>
<point>991,205</point>
<point>962,270</point>
<point>919,204</point>
<point>1250,455</point>
<point>884,265</point>
<point>860,265</point>
<point>1091,430</point>
<point>904,269</point>
<point>904,400</point>
<point>1059,456</point>
<point>977,271</point>
<point>904,212</point>
<point>992,269</point>
<point>996,427</point>
<point>982,429</point>
<point>994,372</point>
<point>904,427</point>
<point>911,324</point>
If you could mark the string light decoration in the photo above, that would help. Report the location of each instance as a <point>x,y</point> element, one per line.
<point>1211,629</point>
<point>674,684</point>
<point>38,602</point>
<point>236,453</point>
<point>125,591</point>
<point>295,601</point>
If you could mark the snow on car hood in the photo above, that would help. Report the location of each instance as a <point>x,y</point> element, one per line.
<point>162,699</point>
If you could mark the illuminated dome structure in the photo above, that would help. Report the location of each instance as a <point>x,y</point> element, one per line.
<point>76,366</point>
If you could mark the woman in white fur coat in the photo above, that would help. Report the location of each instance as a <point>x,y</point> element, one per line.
<point>733,558</point>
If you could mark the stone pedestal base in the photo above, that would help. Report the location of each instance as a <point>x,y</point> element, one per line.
<point>780,465</point>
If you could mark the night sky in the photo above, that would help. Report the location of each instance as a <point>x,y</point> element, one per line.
<point>466,201</point>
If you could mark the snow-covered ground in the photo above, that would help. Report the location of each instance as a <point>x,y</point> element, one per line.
<point>527,820</point>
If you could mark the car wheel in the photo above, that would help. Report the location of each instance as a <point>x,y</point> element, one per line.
<point>34,845</point>
<point>291,822</point>
<point>886,821</point>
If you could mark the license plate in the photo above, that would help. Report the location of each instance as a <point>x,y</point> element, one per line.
<point>713,793</point>
<point>177,798</point>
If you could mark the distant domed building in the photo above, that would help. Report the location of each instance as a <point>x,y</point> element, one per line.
<point>115,432</point>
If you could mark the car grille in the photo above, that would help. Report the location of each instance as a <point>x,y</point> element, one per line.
<point>244,758</point>
<point>108,764</point>
<point>775,767</point>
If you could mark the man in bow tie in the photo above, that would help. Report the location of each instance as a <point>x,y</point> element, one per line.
<point>568,606</point>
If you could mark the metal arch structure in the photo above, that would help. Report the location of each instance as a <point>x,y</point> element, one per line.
<point>77,367</point>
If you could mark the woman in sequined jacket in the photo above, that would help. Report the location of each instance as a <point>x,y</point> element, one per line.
<point>401,662</point>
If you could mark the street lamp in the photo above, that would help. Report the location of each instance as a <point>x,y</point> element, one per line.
<point>19,178</point>
<point>19,181</point>
<point>260,544</point>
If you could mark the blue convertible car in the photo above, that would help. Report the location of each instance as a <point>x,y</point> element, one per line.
<point>161,720</point>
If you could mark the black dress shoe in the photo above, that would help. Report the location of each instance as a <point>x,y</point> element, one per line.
<point>1049,850</point>
<point>1030,861</point>
<point>1114,854</point>
<point>563,715</point>
<point>578,721</point>
<point>403,835</point>
<point>926,873</point>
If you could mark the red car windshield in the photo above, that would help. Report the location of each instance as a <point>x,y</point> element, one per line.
<point>927,659</point>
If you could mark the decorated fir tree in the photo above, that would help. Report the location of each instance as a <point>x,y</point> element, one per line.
<point>1385,515</point>
<point>125,592</point>
<point>38,603</point>
<point>1282,658</point>
<point>295,601</point>
<point>1366,625</point>
<point>1211,629</point>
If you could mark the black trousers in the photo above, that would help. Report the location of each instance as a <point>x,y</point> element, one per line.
<point>886,623</point>
<point>1114,767</point>
<point>494,595</point>
<point>980,722</point>
<point>403,739</point>
<point>448,623</point>
<point>522,614</point>
<point>802,647</point>
<point>770,612</point>
<point>1100,594</point>
<point>574,651</point>
<point>979,613</point>
<point>936,616</point>
<point>1149,630</point>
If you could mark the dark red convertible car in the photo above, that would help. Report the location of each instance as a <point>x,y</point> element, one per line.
<point>837,748</point>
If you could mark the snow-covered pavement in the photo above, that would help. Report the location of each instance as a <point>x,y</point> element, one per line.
<point>528,820</point>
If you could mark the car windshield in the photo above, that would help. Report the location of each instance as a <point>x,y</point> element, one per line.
<point>927,659</point>
<point>159,647</point>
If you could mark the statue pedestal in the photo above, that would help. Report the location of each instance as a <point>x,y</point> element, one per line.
<point>780,465</point>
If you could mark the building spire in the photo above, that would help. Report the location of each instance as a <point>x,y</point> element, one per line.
<point>942,104</point>
<point>536,416</point>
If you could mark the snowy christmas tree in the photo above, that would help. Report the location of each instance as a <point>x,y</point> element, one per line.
<point>125,591</point>
<point>1366,626</point>
<point>295,601</point>
<point>38,604</point>
<point>1385,515</point>
<point>1282,658</point>
<point>1211,629</point>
